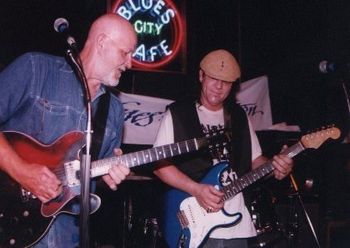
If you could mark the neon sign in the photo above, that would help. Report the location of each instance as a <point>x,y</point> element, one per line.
<point>159,28</point>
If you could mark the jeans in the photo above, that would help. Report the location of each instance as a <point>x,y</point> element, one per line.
<point>63,233</point>
<point>226,243</point>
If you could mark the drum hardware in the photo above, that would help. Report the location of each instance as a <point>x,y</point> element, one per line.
<point>151,227</point>
<point>264,217</point>
<point>296,197</point>
<point>292,223</point>
<point>273,228</point>
<point>260,226</point>
<point>140,225</point>
<point>127,219</point>
<point>145,232</point>
<point>129,214</point>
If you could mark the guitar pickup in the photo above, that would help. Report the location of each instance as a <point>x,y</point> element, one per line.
<point>72,170</point>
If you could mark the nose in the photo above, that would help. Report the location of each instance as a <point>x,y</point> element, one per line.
<point>128,63</point>
<point>219,84</point>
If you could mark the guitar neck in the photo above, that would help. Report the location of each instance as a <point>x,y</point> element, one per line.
<point>101,167</point>
<point>241,183</point>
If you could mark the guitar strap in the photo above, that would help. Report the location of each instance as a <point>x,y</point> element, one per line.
<point>227,119</point>
<point>240,154</point>
<point>99,124</point>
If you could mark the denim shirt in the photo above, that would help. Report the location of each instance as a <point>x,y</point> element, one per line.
<point>42,98</point>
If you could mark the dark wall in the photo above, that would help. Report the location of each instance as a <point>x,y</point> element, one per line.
<point>27,25</point>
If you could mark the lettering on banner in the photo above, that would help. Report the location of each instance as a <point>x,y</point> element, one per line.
<point>138,117</point>
<point>251,109</point>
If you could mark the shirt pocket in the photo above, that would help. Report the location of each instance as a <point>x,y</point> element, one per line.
<point>53,119</point>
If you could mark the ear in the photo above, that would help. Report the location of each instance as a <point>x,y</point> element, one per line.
<point>100,41</point>
<point>200,75</point>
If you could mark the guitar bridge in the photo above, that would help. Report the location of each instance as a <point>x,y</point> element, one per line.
<point>182,219</point>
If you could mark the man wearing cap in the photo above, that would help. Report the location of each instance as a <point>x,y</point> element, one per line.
<point>215,108</point>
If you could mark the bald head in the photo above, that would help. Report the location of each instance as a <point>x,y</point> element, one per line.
<point>108,49</point>
<point>112,25</point>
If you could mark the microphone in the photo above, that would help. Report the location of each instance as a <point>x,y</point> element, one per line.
<point>342,67</point>
<point>61,26</point>
<point>327,67</point>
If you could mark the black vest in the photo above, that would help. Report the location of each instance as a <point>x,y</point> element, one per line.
<point>187,126</point>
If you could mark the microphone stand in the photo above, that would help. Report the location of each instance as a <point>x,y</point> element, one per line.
<point>344,77</point>
<point>347,102</point>
<point>86,158</point>
<point>295,187</point>
<point>346,96</point>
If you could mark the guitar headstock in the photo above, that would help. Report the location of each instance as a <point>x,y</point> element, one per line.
<point>317,138</point>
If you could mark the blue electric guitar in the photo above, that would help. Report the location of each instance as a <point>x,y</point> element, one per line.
<point>186,224</point>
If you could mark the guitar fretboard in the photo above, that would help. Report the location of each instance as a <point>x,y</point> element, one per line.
<point>241,183</point>
<point>102,166</point>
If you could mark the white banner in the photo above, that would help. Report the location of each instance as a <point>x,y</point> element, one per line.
<point>143,113</point>
<point>142,117</point>
<point>254,98</point>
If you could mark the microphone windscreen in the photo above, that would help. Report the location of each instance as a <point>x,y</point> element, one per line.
<point>60,25</point>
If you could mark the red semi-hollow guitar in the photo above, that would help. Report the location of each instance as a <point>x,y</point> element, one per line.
<point>24,219</point>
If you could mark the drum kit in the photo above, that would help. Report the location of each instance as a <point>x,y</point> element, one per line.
<point>263,213</point>
<point>276,227</point>
<point>141,223</point>
<point>129,214</point>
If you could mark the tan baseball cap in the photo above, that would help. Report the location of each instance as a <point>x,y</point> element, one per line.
<point>220,64</point>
